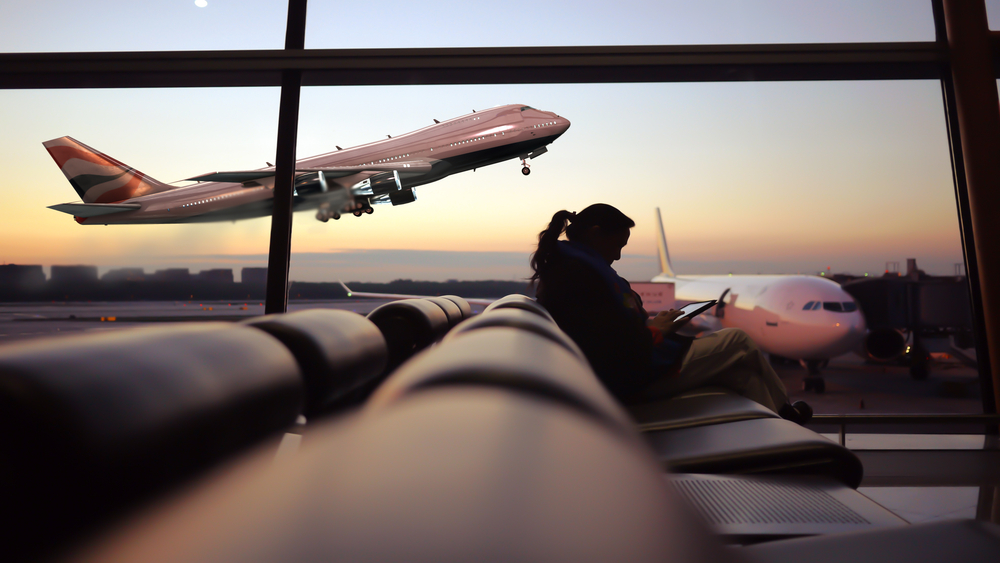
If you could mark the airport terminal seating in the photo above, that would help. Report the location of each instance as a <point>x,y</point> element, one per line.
<point>521,319</point>
<point>518,301</point>
<point>707,431</point>
<point>698,407</point>
<point>455,308</point>
<point>95,424</point>
<point>473,451</point>
<point>498,444</point>
<point>338,353</point>
<point>408,326</point>
<point>509,358</point>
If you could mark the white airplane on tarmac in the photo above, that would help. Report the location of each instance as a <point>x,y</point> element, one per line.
<point>805,318</point>
<point>344,181</point>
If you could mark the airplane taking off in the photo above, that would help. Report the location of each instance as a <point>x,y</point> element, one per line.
<point>344,181</point>
<point>798,317</point>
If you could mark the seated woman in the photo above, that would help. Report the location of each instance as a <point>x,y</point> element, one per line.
<point>637,358</point>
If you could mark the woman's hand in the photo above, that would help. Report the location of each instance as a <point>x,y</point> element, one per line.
<point>666,321</point>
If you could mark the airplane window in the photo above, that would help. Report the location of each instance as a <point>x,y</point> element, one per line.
<point>850,306</point>
<point>808,306</point>
<point>833,306</point>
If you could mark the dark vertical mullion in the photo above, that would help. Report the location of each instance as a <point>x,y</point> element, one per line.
<point>279,253</point>
<point>965,220</point>
<point>974,120</point>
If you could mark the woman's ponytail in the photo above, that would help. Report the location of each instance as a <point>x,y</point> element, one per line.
<point>547,242</point>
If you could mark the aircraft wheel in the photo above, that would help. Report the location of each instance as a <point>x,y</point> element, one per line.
<point>357,214</point>
<point>369,210</point>
<point>812,383</point>
<point>525,171</point>
<point>325,219</point>
<point>336,216</point>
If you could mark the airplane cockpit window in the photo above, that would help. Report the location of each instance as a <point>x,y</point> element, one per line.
<point>808,306</point>
<point>850,306</point>
<point>526,107</point>
<point>834,306</point>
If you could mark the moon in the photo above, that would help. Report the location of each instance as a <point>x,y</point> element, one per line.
<point>201,3</point>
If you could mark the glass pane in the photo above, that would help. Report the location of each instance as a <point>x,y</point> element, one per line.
<point>739,171</point>
<point>993,13</point>
<point>152,25</point>
<point>167,134</point>
<point>453,23</point>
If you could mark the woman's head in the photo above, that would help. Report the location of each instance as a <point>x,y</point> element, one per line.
<point>600,226</point>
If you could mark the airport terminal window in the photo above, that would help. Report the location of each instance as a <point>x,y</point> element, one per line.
<point>690,148</point>
<point>630,22</point>
<point>159,25</point>
<point>726,146</point>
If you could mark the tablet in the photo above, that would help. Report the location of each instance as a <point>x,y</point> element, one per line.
<point>694,309</point>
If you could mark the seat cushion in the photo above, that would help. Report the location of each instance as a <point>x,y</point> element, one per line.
<point>763,445</point>
<point>450,308</point>
<point>409,326</point>
<point>696,409</point>
<point>508,358</point>
<point>520,319</point>
<point>518,301</point>
<point>450,475</point>
<point>463,305</point>
<point>337,351</point>
<point>96,423</point>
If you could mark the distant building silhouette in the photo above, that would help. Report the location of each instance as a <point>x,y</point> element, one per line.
<point>74,274</point>
<point>254,276</point>
<point>218,275</point>
<point>125,274</point>
<point>170,274</point>
<point>21,277</point>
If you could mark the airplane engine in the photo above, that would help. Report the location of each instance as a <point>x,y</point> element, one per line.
<point>885,344</point>
<point>402,197</point>
<point>385,183</point>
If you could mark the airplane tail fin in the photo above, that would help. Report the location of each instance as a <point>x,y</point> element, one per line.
<point>661,242</point>
<point>97,177</point>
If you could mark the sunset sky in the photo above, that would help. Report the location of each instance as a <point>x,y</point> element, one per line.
<point>751,177</point>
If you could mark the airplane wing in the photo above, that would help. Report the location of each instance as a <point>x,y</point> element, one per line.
<point>328,171</point>
<point>94,209</point>
<point>365,295</point>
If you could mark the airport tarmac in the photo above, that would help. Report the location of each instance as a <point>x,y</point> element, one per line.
<point>852,385</point>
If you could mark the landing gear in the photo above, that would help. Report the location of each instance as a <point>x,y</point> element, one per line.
<point>919,360</point>
<point>325,214</point>
<point>814,383</point>
<point>526,169</point>
<point>813,380</point>
<point>369,211</point>
<point>357,213</point>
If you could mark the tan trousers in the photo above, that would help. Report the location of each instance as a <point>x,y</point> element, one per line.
<point>727,358</point>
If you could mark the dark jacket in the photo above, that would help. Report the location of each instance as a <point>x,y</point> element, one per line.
<point>619,346</point>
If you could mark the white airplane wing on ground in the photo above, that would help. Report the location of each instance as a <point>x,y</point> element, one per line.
<point>366,295</point>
